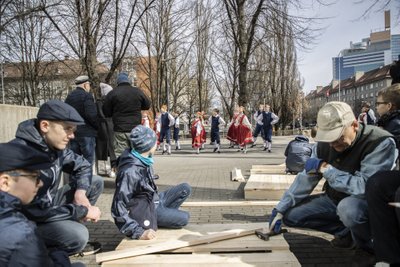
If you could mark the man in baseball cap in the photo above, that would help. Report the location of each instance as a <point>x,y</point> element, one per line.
<point>19,183</point>
<point>60,209</point>
<point>346,155</point>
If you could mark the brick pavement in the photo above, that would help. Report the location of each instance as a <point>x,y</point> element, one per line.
<point>209,175</point>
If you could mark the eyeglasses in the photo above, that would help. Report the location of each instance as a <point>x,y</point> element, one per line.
<point>33,176</point>
<point>377,103</point>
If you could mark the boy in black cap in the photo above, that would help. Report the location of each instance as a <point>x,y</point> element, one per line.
<point>19,183</point>
<point>137,208</point>
<point>59,211</point>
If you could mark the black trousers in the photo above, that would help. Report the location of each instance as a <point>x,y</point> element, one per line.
<point>382,188</point>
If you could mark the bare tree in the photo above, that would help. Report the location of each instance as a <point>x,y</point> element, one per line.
<point>85,28</point>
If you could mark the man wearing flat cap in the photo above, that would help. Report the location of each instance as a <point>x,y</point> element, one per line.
<point>346,155</point>
<point>82,100</point>
<point>19,182</point>
<point>59,211</point>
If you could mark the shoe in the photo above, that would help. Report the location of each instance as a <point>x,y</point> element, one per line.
<point>253,145</point>
<point>269,150</point>
<point>219,151</point>
<point>363,258</point>
<point>265,149</point>
<point>164,151</point>
<point>169,153</point>
<point>90,249</point>
<point>215,149</point>
<point>343,242</point>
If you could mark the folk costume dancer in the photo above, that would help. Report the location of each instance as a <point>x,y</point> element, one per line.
<point>197,131</point>
<point>269,119</point>
<point>244,135</point>
<point>215,120</point>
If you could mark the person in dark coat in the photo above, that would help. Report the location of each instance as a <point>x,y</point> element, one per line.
<point>138,208</point>
<point>105,133</point>
<point>384,187</point>
<point>82,100</point>
<point>297,152</point>
<point>20,245</point>
<point>124,104</point>
<point>59,210</point>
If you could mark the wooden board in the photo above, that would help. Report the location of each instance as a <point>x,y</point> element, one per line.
<point>246,243</point>
<point>275,259</point>
<point>184,241</point>
<point>268,169</point>
<point>229,203</point>
<point>271,186</point>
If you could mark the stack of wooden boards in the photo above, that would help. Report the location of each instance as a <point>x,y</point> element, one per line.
<point>203,245</point>
<point>269,182</point>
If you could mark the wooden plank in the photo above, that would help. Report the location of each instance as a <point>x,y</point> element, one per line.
<point>271,186</point>
<point>274,259</point>
<point>229,203</point>
<point>172,244</point>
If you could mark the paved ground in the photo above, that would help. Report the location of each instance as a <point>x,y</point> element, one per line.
<point>209,175</point>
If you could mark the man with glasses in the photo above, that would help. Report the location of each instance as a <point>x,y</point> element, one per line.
<point>346,155</point>
<point>19,183</point>
<point>58,210</point>
<point>82,100</point>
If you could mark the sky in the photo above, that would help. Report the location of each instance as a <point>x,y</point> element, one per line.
<point>344,23</point>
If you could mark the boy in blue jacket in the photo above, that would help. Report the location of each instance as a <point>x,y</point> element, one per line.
<point>138,208</point>
<point>19,183</point>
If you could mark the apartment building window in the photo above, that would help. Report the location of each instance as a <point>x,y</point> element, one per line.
<point>371,86</point>
<point>372,95</point>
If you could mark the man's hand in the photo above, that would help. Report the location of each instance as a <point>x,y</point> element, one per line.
<point>148,234</point>
<point>81,199</point>
<point>275,221</point>
<point>93,214</point>
<point>312,165</point>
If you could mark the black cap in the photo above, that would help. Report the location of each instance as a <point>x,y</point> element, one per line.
<point>56,110</point>
<point>17,156</point>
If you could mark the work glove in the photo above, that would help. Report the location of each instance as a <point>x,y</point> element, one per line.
<point>312,165</point>
<point>275,221</point>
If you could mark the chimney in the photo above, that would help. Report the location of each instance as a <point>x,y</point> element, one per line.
<point>358,75</point>
<point>335,83</point>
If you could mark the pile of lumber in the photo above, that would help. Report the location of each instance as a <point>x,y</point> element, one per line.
<point>269,182</point>
<point>203,245</point>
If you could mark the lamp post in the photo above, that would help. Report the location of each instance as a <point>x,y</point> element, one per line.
<point>339,71</point>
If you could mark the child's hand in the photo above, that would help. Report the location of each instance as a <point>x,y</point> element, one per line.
<point>148,234</point>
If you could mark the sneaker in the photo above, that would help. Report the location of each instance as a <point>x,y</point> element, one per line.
<point>343,242</point>
<point>363,258</point>
<point>90,249</point>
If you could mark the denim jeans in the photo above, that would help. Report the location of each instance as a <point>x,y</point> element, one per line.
<point>320,213</point>
<point>168,213</point>
<point>68,235</point>
<point>84,146</point>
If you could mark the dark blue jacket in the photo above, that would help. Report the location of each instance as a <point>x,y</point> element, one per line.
<point>124,104</point>
<point>133,178</point>
<point>297,152</point>
<point>84,103</point>
<point>19,243</point>
<point>391,123</point>
<point>44,207</point>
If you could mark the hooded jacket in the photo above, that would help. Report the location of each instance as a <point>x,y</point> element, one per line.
<point>46,206</point>
<point>391,123</point>
<point>19,243</point>
<point>134,178</point>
